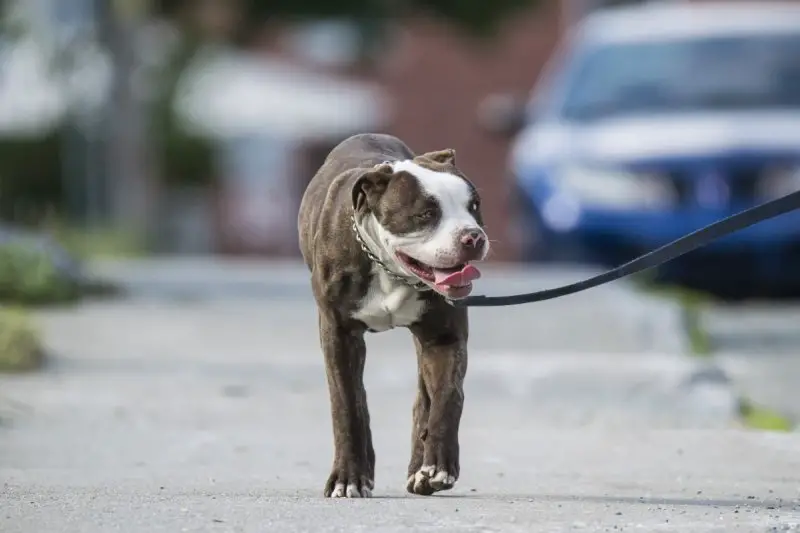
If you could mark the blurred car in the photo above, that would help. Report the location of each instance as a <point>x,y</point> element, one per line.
<point>652,121</point>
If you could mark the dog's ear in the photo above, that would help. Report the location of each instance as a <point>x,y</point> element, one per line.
<point>370,186</point>
<point>444,157</point>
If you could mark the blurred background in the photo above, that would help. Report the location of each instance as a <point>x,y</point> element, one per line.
<point>192,127</point>
<point>163,147</point>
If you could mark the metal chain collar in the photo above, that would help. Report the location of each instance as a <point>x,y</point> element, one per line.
<point>420,286</point>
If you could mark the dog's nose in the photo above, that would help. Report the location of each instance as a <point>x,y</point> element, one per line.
<point>473,238</point>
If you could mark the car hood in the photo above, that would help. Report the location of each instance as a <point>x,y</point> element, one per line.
<point>633,139</point>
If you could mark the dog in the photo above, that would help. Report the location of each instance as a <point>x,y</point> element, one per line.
<point>389,237</point>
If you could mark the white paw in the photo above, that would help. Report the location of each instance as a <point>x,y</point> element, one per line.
<point>442,480</point>
<point>428,480</point>
<point>340,490</point>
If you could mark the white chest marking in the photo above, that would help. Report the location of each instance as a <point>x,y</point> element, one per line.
<point>389,304</point>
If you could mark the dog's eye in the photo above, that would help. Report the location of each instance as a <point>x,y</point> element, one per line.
<point>474,206</point>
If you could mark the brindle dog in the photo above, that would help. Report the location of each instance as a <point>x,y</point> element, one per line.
<point>389,237</point>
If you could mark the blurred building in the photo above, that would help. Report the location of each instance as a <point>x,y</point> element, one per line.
<point>278,112</point>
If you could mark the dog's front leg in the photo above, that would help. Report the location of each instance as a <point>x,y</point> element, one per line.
<point>442,364</point>
<point>353,473</point>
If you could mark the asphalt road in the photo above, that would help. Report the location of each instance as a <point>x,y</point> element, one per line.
<point>207,411</point>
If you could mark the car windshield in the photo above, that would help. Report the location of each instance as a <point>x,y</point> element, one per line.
<point>722,73</point>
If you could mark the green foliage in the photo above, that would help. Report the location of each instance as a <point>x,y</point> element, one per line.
<point>98,242</point>
<point>20,347</point>
<point>699,340</point>
<point>30,277</point>
<point>756,417</point>
<point>30,177</point>
<point>185,158</point>
<point>478,17</point>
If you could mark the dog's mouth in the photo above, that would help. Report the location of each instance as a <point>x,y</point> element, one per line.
<point>453,282</point>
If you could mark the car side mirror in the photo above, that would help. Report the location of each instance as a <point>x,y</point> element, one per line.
<point>502,114</point>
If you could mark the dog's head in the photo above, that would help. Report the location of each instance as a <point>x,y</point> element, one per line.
<point>426,217</point>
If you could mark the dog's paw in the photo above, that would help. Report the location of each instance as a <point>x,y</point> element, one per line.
<point>430,479</point>
<point>340,484</point>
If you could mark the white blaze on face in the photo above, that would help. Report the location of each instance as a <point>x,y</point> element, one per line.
<point>440,245</point>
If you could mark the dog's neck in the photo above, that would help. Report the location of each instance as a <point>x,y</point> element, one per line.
<point>369,231</point>
<point>368,234</point>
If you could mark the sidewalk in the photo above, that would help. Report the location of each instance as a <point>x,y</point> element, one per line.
<point>211,414</point>
<point>614,317</point>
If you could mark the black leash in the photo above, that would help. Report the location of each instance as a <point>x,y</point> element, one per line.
<point>668,252</point>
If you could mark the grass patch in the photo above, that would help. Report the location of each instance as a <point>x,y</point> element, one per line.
<point>98,243</point>
<point>20,344</point>
<point>46,267</point>
<point>29,277</point>
<point>699,339</point>
<point>757,417</point>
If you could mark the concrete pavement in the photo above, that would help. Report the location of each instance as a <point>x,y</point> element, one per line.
<point>207,411</point>
<point>237,478</point>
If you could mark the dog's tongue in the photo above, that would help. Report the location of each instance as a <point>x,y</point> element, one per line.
<point>456,276</point>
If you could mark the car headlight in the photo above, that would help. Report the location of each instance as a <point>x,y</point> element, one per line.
<point>779,181</point>
<point>616,188</point>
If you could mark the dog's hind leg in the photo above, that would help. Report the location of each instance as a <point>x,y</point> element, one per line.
<point>353,472</point>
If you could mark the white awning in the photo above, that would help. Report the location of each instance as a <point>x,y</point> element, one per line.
<point>223,94</point>
<point>230,94</point>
